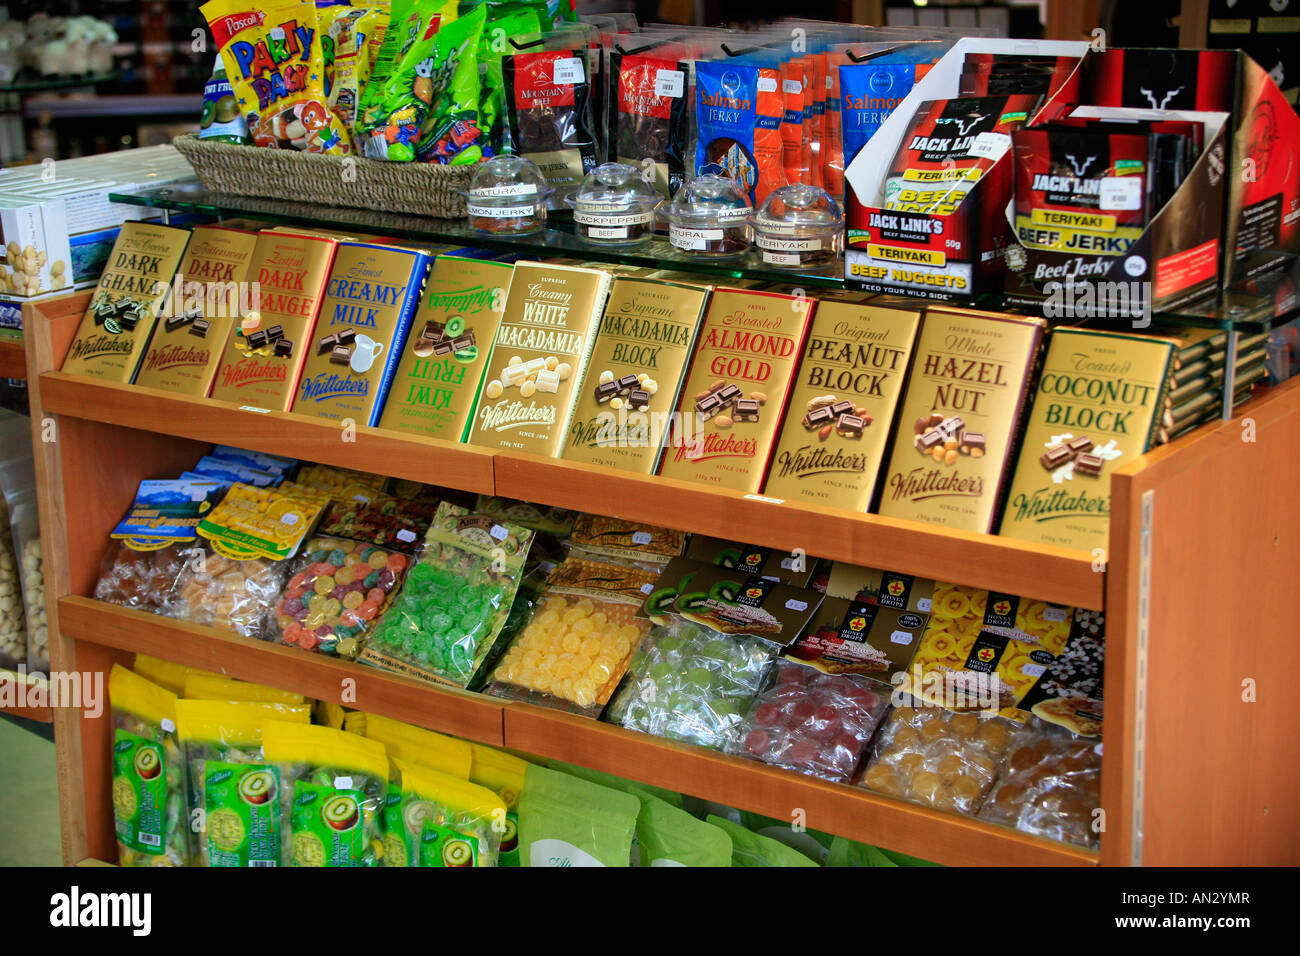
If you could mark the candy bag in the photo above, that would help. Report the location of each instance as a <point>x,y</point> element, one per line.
<point>200,685</point>
<point>447,755</point>
<point>149,779</point>
<point>564,821</point>
<point>332,790</point>
<point>440,820</point>
<point>393,37</point>
<point>455,601</point>
<point>669,836</point>
<point>165,673</point>
<point>750,849</point>
<point>503,774</point>
<point>275,65</point>
<point>451,133</point>
<point>504,20</point>
<point>234,805</point>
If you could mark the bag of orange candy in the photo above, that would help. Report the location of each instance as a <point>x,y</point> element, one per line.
<point>274,62</point>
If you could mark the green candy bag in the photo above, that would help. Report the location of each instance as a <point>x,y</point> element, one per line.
<point>669,836</point>
<point>451,133</point>
<point>565,821</point>
<point>440,820</point>
<point>504,20</point>
<point>750,849</point>
<point>405,23</point>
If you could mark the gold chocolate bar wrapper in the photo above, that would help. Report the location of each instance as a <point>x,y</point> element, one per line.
<point>370,296</point>
<point>211,286</point>
<point>857,355</point>
<point>436,385</point>
<point>747,349</point>
<point>539,356</point>
<point>969,375</point>
<point>1103,387</point>
<point>290,269</point>
<point>120,317</point>
<point>648,330</point>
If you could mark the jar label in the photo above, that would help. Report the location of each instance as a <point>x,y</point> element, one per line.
<point>499,212</point>
<point>606,219</point>
<point>505,189</point>
<point>607,232</point>
<point>693,238</point>
<point>782,244</point>
<point>781,258</point>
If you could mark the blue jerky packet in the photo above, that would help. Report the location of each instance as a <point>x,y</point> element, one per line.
<point>869,92</point>
<point>726,112</point>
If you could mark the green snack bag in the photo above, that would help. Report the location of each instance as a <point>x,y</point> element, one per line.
<point>811,843</point>
<point>850,853</point>
<point>565,821</point>
<point>234,806</point>
<point>750,849</point>
<point>332,791</point>
<point>634,787</point>
<point>149,779</point>
<point>450,131</point>
<point>669,836</point>
<point>405,24</point>
<point>504,20</point>
<point>440,820</point>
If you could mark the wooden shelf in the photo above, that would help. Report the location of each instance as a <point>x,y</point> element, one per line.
<point>13,360</point>
<point>835,808</point>
<point>447,464</point>
<point>43,714</point>
<point>943,838</point>
<point>978,560</point>
<point>444,709</point>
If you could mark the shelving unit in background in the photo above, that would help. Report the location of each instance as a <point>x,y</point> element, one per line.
<point>1194,589</point>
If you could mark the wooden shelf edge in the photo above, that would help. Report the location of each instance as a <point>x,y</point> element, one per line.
<point>42,714</point>
<point>443,709</point>
<point>834,808</point>
<point>398,455</point>
<point>1042,572</point>
<point>13,359</point>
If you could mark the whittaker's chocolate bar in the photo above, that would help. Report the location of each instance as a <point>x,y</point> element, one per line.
<point>644,341</point>
<point>970,373</point>
<point>748,346</point>
<point>843,404</point>
<point>120,318</point>
<point>1097,406</point>
<point>550,321</point>
<point>368,306</point>
<point>290,269</point>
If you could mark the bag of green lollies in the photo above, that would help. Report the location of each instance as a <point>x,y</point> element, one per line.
<point>564,821</point>
<point>408,22</point>
<point>669,836</point>
<point>504,20</point>
<point>455,601</point>
<point>504,775</point>
<point>234,804</point>
<point>440,820</point>
<point>332,790</point>
<point>451,132</point>
<point>813,844</point>
<point>149,779</point>
<point>750,849</point>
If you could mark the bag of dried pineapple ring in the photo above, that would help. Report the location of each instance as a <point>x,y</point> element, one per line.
<point>332,788</point>
<point>149,780</point>
<point>275,65</point>
<point>234,805</point>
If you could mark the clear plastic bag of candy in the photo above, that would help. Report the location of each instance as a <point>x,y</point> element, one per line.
<point>941,759</point>
<point>456,599</point>
<point>1050,786</point>
<point>690,683</point>
<point>142,580</point>
<point>335,590</point>
<point>216,591</point>
<point>814,723</point>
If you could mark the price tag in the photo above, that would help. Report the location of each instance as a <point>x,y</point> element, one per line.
<point>923,605</point>
<point>167,725</point>
<point>499,532</point>
<point>647,588</point>
<point>641,537</point>
<point>290,519</point>
<point>796,605</point>
<point>1121,192</point>
<point>568,71</point>
<point>670,83</point>
<point>342,783</point>
<point>770,501</point>
<point>1033,670</point>
<point>1054,614</point>
<point>901,637</point>
<point>254,408</point>
<point>766,84</point>
<point>792,86</point>
<point>990,145</point>
<point>406,534</point>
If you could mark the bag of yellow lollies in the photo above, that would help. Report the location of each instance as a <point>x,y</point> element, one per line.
<point>273,58</point>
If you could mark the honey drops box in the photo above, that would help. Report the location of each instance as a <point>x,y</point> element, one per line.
<point>352,355</point>
<point>440,371</point>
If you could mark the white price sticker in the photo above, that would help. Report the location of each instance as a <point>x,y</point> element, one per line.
<point>641,537</point>
<point>167,725</point>
<point>406,534</point>
<point>342,783</point>
<point>990,145</point>
<point>901,637</point>
<point>254,408</point>
<point>1121,192</point>
<point>767,84</point>
<point>499,532</point>
<point>1056,614</point>
<point>647,588</point>
<point>1033,670</point>
<point>923,605</point>
<point>289,519</point>
<point>796,605</point>
<point>568,71</point>
<point>792,86</point>
<point>670,83</point>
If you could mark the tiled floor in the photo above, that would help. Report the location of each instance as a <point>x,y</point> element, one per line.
<point>29,801</point>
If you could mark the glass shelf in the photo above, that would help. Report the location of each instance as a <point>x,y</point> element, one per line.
<point>1255,305</point>
<point>39,84</point>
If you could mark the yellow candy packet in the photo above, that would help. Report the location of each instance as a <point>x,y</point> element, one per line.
<point>428,748</point>
<point>202,687</point>
<point>274,61</point>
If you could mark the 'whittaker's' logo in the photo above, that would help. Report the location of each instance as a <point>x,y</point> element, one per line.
<point>922,484</point>
<point>807,461</point>
<point>1049,504</point>
<point>249,371</point>
<point>515,414</point>
<point>332,385</point>
<point>175,356</point>
<point>97,345</point>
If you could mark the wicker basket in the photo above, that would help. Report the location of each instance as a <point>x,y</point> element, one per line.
<point>424,189</point>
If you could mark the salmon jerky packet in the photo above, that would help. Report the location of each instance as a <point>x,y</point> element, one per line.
<point>276,68</point>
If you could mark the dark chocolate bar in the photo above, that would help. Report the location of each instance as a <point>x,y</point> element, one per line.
<point>1081,444</point>
<point>465,341</point>
<point>746,409</point>
<point>433,331</point>
<point>256,340</point>
<point>638,399</point>
<point>443,347</point>
<point>844,407</point>
<point>283,347</point>
<point>176,321</point>
<point>1054,458</point>
<point>200,328</point>
<point>346,336</point>
<point>1091,465</point>
<point>128,321</point>
<point>605,391</point>
<point>729,393</point>
<point>709,405</point>
<point>628,382</point>
<point>275,332</point>
<point>326,344</point>
<point>851,425</point>
<point>951,426</point>
<point>818,416</point>
<point>341,355</point>
<point>932,438</point>
<point>971,440</point>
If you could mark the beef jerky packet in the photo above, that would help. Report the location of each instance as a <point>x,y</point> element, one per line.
<point>948,147</point>
<point>647,110</point>
<point>548,108</point>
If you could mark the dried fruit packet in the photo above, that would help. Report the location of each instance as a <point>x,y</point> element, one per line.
<point>434,819</point>
<point>275,65</point>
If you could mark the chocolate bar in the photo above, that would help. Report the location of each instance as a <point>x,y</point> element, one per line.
<point>283,348</point>
<point>850,426</point>
<point>256,340</point>
<point>341,355</point>
<point>844,407</point>
<point>200,328</point>
<point>275,332</point>
<point>1054,458</point>
<point>128,321</point>
<point>1086,464</point>
<point>465,341</point>
<point>628,382</point>
<point>176,321</point>
<point>746,410</point>
<point>433,331</point>
<point>638,399</point>
<point>932,438</point>
<point>443,348</point>
<point>709,405</point>
<point>818,416</point>
<point>973,440</point>
<point>605,391</point>
<point>346,336</point>
<point>951,426</point>
<point>729,393</point>
<point>1078,445</point>
<point>326,344</point>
